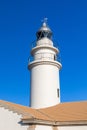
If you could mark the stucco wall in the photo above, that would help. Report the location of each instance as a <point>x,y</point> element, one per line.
<point>61,128</point>
<point>10,120</point>
<point>44,84</point>
<point>73,128</point>
<point>40,127</point>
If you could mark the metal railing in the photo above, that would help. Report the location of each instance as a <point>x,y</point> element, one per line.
<point>44,56</point>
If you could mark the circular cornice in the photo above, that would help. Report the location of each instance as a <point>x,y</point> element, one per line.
<point>44,62</point>
<point>44,47</point>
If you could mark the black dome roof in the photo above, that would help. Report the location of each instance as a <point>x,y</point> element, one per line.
<point>44,31</point>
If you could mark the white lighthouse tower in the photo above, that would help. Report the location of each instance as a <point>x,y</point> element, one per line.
<point>45,85</point>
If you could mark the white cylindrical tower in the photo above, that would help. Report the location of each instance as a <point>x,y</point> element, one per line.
<point>45,86</point>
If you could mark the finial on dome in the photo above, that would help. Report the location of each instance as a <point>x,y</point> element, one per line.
<point>44,22</point>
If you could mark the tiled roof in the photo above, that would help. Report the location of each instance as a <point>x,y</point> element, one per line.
<point>63,112</point>
<point>73,111</point>
<point>27,112</point>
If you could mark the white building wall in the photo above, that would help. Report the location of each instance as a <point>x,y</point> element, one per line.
<point>83,127</point>
<point>10,120</point>
<point>40,127</point>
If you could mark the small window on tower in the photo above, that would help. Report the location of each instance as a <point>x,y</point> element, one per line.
<point>54,57</point>
<point>58,92</point>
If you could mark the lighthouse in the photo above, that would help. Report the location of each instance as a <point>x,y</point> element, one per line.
<point>44,70</point>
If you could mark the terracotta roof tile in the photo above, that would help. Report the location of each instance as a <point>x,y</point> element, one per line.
<point>73,111</point>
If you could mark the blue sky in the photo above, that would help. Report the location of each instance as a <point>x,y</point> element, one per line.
<point>19,21</point>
